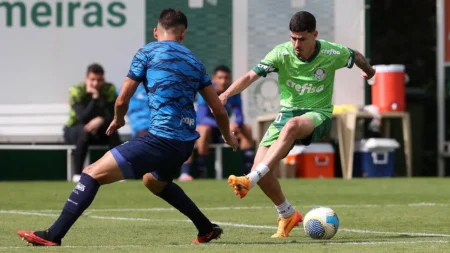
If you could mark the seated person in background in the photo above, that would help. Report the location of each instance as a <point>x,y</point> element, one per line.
<point>138,113</point>
<point>92,110</point>
<point>209,132</point>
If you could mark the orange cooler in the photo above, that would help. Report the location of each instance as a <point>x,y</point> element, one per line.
<point>316,161</point>
<point>388,88</point>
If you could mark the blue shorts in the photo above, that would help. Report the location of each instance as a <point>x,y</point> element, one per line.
<point>152,154</point>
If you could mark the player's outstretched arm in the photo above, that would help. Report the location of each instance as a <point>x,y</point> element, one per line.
<point>239,85</point>
<point>121,106</point>
<point>223,122</point>
<point>364,65</point>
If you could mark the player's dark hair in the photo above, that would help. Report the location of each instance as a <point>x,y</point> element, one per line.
<point>95,68</point>
<point>302,21</point>
<point>222,68</point>
<point>171,18</point>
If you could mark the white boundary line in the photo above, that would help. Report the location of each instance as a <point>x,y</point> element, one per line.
<point>32,213</point>
<point>229,224</point>
<point>227,208</point>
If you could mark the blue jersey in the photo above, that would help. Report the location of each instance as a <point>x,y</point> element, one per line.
<point>172,76</point>
<point>138,111</point>
<point>233,106</point>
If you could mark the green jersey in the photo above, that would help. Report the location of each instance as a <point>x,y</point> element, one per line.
<point>306,84</point>
<point>84,108</point>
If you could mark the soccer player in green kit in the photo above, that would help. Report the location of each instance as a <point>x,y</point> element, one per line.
<point>306,68</point>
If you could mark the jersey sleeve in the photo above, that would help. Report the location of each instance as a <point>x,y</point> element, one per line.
<point>270,63</point>
<point>82,112</point>
<point>204,78</point>
<point>346,57</point>
<point>138,68</point>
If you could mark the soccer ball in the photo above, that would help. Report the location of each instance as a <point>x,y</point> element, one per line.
<point>321,222</point>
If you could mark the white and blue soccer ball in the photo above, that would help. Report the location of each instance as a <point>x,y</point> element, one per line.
<point>321,222</point>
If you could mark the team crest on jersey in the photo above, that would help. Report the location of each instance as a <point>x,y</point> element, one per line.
<point>320,74</point>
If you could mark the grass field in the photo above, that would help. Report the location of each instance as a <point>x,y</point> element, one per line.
<point>376,215</point>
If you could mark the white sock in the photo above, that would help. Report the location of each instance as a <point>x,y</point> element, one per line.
<point>285,210</point>
<point>257,174</point>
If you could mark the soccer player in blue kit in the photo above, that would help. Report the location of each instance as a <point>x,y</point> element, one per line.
<point>172,76</point>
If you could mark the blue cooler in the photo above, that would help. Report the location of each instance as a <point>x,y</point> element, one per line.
<point>374,157</point>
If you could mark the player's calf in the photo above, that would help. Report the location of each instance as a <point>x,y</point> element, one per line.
<point>203,142</point>
<point>106,170</point>
<point>177,198</point>
<point>246,145</point>
<point>79,200</point>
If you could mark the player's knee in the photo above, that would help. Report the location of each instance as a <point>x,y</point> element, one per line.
<point>153,184</point>
<point>298,127</point>
<point>83,135</point>
<point>95,174</point>
<point>88,170</point>
<point>292,128</point>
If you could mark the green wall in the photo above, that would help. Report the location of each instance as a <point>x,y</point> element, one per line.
<point>209,33</point>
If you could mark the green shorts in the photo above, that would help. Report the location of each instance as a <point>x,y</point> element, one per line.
<point>322,125</point>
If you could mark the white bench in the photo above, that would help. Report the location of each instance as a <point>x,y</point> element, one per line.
<point>37,123</point>
<point>43,124</point>
<point>40,123</point>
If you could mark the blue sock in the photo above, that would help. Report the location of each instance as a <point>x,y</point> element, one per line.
<point>176,197</point>
<point>201,165</point>
<point>248,157</point>
<point>79,200</point>
<point>186,168</point>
